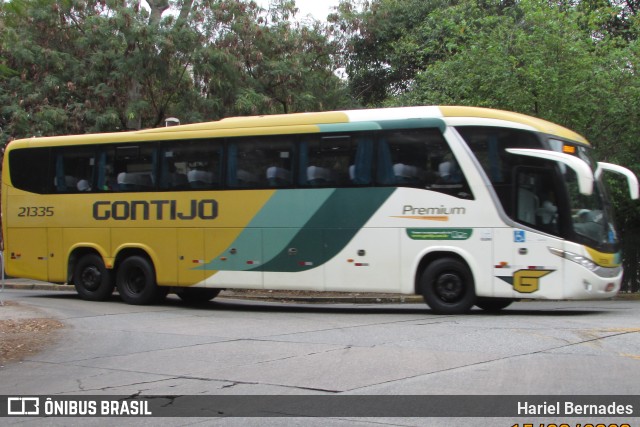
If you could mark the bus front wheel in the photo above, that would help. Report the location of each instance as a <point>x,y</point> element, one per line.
<point>91,279</point>
<point>447,286</point>
<point>136,281</point>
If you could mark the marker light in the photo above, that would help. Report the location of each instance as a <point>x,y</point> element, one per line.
<point>578,259</point>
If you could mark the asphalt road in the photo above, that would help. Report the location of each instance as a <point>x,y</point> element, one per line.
<point>232,347</point>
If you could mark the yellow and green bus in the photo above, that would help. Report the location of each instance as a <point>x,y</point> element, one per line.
<point>464,206</point>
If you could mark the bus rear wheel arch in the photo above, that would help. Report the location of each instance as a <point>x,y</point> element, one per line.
<point>92,279</point>
<point>136,281</point>
<point>447,286</point>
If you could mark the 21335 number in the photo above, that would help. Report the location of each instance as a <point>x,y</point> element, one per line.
<point>31,211</point>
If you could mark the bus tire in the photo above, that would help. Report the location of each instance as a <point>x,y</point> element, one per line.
<point>197,295</point>
<point>136,281</point>
<point>493,305</point>
<point>91,278</point>
<point>447,286</point>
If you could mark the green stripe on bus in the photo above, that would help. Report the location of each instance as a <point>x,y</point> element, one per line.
<point>328,231</point>
<point>319,222</point>
<point>297,206</point>
<point>349,127</point>
<point>413,124</point>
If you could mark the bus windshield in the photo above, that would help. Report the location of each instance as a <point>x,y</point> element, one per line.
<point>591,216</point>
<point>542,194</point>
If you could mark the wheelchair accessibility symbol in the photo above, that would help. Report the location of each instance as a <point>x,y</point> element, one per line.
<point>518,236</point>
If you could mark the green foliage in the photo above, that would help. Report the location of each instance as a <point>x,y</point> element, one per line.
<point>71,66</point>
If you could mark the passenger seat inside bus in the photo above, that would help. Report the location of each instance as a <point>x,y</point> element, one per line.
<point>319,176</point>
<point>69,183</point>
<point>134,181</point>
<point>246,178</point>
<point>83,186</point>
<point>199,179</point>
<point>407,174</point>
<point>278,177</point>
<point>178,181</point>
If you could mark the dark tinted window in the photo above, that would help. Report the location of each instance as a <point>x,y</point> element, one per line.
<point>260,162</point>
<point>335,160</point>
<point>134,166</point>
<point>74,169</point>
<point>31,170</point>
<point>191,165</point>
<point>420,158</point>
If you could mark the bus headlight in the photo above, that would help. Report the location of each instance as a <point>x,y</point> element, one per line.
<point>578,259</point>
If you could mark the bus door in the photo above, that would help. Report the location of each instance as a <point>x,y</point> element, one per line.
<point>522,256</point>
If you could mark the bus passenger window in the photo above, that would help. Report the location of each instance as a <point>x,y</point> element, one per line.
<point>134,168</point>
<point>336,161</point>
<point>420,158</point>
<point>74,169</point>
<point>260,162</point>
<point>186,165</point>
<point>30,170</point>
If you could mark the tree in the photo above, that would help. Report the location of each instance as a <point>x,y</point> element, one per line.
<point>71,66</point>
<point>389,41</point>
<point>269,64</point>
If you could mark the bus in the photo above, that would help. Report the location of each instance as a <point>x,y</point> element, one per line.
<point>465,206</point>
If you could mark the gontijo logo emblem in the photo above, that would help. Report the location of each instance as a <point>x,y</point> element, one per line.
<point>526,281</point>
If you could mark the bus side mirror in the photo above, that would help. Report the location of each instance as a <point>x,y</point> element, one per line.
<point>579,166</point>
<point>632,180</point>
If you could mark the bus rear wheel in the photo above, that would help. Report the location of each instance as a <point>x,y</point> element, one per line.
<point>197,295</point>
<point>447,286</point>
<point>136,281</point>
<point>91,278</point>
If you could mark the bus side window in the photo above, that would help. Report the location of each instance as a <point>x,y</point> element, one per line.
<point>135,167</point>
<point>190,165</point>
<point>420,158</point>
<point>31,170</point>
<point>75,169</point>
<point>260,162</point>
<point>105,179</point>
<point>335,161</point>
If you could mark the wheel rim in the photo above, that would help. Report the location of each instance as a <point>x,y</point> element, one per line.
<point>135,281</point>
<point>449,287</point>
<point>91,278</point>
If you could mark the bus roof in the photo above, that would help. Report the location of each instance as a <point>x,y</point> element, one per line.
<point>311,122</point>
